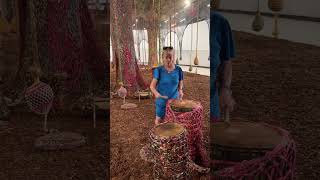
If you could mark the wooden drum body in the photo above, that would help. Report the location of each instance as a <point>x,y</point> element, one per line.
<point>170,151</point>
<point>242,141</point>
<point>189,114</point>
<point>244,150</point>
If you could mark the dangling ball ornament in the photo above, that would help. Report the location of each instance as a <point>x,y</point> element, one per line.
<point>39,98</point>
<point>196,61</point>
<point>258,22</point>
<point>190,68</point>
<point>122,92</point>
<point>112,65</point>
<point>275,5</point>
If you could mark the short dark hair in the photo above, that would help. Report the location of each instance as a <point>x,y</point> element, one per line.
<point>167,48</point>
<point>214,4</point>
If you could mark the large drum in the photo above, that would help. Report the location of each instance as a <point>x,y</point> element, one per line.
<point>183,105</point>
<point>169,150</point>
<point>189,114</point>
<point>251,150</point>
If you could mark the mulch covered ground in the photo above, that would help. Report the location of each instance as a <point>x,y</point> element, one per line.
<point>21,161</point>
<point>130,128</point>
<point>274,81</point>
<point>278,82</point>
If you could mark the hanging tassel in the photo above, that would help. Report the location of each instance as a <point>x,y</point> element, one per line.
<point>258,22</point>
<point>196,61</point>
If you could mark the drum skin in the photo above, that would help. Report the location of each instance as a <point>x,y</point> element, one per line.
<point>183,105</point>
<point>251,151</point>
<point>242,141</point>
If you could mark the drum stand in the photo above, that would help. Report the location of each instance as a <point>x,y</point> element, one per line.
<point>53,139</point>
<point>96,102</point>
<point>94,110</point>
<point>227,117</point>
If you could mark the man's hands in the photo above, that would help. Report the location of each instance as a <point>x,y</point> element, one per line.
<point>181,94</point>
<point>226,99</point>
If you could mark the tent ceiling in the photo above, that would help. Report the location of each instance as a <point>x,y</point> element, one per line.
<point>185,10</point>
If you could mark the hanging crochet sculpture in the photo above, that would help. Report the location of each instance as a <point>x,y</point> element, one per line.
<point>60,37</point>
<point>72,42</point>
<point>123,45</point>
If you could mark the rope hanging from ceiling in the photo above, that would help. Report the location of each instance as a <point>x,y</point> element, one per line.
<point>175,31</point>
<point>190,67</point>
<point>159,11</point>
<point>154,29</point>
<point>196,60</point>
<point>170,24</point>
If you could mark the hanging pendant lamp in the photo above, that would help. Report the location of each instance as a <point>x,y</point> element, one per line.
<point>275,5</point>
<point>258,22</point>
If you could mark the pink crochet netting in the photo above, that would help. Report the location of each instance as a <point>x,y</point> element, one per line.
<point>72,42</point>
<point>39,98</point>
<point>278,164</point>
<point>192,121</point>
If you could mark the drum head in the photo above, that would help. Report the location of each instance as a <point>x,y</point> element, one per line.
<point>59,141</point>
<point>102,105</point>
<point>183,105</point>
<point>168,130</point>
<point>100,99</point>
<point>128,106</point>
<point>245,135</point>
<point>143,94</point>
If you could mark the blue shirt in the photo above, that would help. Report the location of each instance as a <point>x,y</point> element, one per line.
<point>221,49</point>
<point>168,83</point>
